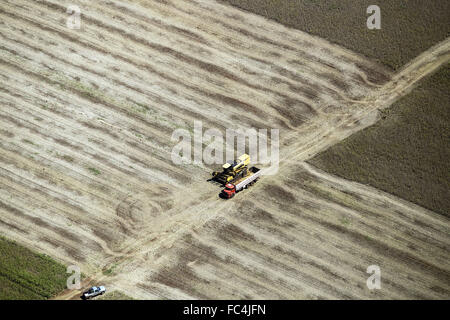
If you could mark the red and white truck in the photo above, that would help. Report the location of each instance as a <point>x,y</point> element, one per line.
<point>232,188</point>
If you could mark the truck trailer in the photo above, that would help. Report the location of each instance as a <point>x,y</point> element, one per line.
<point>232,188</point>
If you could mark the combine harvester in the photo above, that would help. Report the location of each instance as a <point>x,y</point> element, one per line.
<point>236,176</point>
<point>232,170</point>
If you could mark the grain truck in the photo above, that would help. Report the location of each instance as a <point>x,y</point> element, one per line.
<point>231,189</point>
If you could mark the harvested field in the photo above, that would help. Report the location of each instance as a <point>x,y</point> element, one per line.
<point>311,239</point>
<point>85,171</point>
<point>407,27</point>
<point>115,295</point>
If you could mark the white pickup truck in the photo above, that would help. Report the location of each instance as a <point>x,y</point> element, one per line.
<point>93,292</point>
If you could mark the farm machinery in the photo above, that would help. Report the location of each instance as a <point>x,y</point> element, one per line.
<point>236,176</point>
<point>232,170</point>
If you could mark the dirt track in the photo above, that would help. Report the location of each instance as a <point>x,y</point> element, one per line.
<point>109,96</point>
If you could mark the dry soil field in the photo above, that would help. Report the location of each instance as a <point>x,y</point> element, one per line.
<point>86,118</point>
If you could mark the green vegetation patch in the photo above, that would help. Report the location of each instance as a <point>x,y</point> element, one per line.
<point>109,271</point>
<point>406,152</point>
<point>408,27</point>
<point>26,275</point>
<point>94,171</point>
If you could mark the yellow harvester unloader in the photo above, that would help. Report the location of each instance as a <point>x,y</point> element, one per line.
<point>233,170</point>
